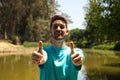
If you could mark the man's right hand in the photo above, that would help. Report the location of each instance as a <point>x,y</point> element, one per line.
<point>76,57</point>
<point>40,56</point>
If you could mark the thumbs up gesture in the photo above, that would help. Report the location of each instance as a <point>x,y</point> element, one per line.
<point>76,57</point>
<point>40,48</point>
<point>40,56</point>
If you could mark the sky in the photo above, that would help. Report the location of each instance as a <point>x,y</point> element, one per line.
<point>74,8</point>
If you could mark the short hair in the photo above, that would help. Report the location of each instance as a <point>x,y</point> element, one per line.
<point>58,17</point>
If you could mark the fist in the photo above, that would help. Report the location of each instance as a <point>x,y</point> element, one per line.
<point>40,56</point>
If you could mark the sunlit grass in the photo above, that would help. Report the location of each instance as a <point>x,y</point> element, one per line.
<point>105,46</point>
<point>35,44</point>
<point>100,53</point>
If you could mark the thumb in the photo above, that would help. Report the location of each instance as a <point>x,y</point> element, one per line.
<point>72,47</point>
<point>40,48</point>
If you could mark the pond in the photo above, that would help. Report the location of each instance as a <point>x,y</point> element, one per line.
<point>102,64</point>
<point>18,67</point>
<point>98,65</point>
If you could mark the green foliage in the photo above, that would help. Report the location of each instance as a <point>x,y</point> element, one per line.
<point>28,19</point>
<point>46,44</point>
<point>117,46</point>
<point>107,46</point>
<point>102,18</point>
<point>30,44</point>
<point>15,40</point>
<point>34,44</point>
<point>77,36</point>
<point>74,34</point>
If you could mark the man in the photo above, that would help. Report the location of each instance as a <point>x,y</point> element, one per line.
<point>58,61</point>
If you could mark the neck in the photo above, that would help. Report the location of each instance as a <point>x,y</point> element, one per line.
<point>59,43</point>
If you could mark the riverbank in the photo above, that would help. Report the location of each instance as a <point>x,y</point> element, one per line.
<point>7,48</point>
<point>108,46</point>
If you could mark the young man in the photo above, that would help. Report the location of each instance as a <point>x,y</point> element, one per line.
<point>58,61</point>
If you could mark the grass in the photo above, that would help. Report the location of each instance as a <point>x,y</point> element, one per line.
<point>34,44</point>
<point>101,53</point>
<point>105,46</point>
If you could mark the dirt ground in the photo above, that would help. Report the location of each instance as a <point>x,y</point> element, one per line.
<point>4,44</point>
<point>9,48</point>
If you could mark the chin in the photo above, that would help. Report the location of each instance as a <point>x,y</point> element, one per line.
<point>58,39</point>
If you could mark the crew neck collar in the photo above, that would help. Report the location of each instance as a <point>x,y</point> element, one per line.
<point>62,48</point>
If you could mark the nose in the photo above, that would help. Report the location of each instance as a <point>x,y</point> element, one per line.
<point>58,28</point>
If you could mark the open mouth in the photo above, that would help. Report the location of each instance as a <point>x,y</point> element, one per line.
<point>58,35</point>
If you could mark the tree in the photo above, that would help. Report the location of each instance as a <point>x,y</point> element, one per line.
<point>102,19</point>
<point>77,36</point>
<point>25,19</point>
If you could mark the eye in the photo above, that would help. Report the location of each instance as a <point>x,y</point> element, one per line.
<point>55,26</point>
<point>62,26</point>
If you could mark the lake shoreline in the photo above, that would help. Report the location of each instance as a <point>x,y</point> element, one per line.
<point>15,51</point>
<point>7,48</point>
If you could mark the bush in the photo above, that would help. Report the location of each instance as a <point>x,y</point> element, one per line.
<point>15,40</point>
<point>107,46</point>
<point>117,46</point>
<point>30,44</point>
<point>46,44</point>
<point>34,44</point>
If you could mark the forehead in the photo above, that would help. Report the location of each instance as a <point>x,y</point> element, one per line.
<point>58,22</point>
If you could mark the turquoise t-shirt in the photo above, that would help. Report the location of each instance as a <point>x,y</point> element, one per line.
<point>59,65</point>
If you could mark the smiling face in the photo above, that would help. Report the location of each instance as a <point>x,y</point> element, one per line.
<point>58,30</point>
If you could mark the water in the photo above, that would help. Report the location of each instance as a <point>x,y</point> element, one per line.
<point>98,65</point>
<point>18,67</point>
<point>102,65</point>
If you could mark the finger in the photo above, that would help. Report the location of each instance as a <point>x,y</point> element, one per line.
<point>77,59</point>
<point>72,47</point>
<point>36,62</point>
<point>36,58</point>
<point>40,47</point>
<point>78,63</point>
<point>36,54</point>
<point>74,56</point>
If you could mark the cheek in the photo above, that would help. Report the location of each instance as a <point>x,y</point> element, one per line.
<point>66,32</point>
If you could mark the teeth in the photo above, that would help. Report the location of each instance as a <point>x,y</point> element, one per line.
<point>58,33</point>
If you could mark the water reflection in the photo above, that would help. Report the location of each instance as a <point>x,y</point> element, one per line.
<point>18,67</point>
<point>98,65</point>
<point>102,65</point>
